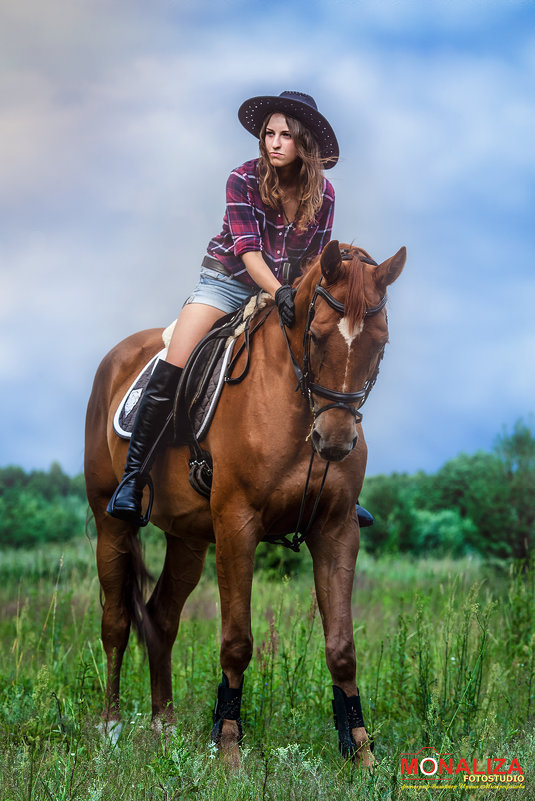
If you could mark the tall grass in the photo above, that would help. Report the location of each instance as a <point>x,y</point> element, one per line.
<point>445,658</point>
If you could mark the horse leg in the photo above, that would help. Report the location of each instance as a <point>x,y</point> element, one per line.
<point>114,564</point>
<point>235,552</point>
<point>334,557</point>
<point>183,565</point>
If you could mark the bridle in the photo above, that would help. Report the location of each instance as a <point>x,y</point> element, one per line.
<point>350,401</point>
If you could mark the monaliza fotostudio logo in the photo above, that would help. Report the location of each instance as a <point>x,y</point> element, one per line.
<point>429,765</point>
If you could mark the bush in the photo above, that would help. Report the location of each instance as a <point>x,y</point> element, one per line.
<point>40,507</point>
<point>444,533</point>
<point>28,519</point>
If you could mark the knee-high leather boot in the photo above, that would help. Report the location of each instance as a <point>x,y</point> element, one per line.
<point>151,431</point>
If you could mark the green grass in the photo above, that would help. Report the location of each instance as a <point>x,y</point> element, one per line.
<point>445,658</point>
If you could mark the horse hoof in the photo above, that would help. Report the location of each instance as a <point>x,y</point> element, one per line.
<point>110,730</point>
<point>163,727</point>
<point>227,745</point>
<point>231,758</point>
<point>363,756</point>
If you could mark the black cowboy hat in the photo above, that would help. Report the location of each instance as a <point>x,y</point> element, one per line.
<point>253,112</point>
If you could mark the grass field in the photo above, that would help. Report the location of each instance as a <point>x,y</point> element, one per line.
<point>446,659</point>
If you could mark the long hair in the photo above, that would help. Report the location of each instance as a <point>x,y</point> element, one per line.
<point>309,179</point>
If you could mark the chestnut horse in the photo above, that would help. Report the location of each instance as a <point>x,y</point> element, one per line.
<point>261,441</point>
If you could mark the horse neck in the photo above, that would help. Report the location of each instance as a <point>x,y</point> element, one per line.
<point>272,355</point>
<point>271,362</point>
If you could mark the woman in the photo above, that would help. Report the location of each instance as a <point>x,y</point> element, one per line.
<point>279,215</point>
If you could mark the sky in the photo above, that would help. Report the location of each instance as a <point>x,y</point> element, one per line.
<point>118,128</point>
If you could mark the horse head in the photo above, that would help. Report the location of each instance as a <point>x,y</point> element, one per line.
<point>345,336</point>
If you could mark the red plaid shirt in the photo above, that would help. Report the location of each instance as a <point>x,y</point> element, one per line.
<point>249,225</point>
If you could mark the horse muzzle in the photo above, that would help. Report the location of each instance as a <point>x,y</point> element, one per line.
<point>335,446</point>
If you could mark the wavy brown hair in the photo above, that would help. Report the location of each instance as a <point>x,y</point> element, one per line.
<point>309,178</point>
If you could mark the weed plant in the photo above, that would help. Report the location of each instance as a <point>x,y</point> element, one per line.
<point>445,659</point>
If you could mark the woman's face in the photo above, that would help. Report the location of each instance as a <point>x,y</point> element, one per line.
<point>278,140</point>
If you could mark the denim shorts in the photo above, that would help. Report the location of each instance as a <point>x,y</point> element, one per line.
<point>221,291</point>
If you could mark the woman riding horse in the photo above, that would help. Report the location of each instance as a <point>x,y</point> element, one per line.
<point>279,215</point>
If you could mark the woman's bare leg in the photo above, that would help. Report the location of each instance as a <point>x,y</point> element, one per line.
<point>194,321</point>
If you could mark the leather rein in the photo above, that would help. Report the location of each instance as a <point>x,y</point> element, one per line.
<point>349,401</point>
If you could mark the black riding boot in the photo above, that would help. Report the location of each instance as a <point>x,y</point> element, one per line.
<point>151,429</point>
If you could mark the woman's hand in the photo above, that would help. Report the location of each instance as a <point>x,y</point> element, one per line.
<point>284,298</point>
<point>262,275</point>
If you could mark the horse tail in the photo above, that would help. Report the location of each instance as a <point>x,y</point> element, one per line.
<point>139,584</point>
<point>139,581</point>
<point>89,524</point>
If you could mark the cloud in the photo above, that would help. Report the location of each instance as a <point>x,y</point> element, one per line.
<point>113,169</point>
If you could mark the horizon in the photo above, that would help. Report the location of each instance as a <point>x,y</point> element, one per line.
<point>504,431</point>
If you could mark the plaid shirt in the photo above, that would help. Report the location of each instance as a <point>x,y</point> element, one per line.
<point>248,225</point>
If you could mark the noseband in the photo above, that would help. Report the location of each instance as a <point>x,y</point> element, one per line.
<point>349,401</point>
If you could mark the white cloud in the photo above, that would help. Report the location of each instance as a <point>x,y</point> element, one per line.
<point>117,144</point>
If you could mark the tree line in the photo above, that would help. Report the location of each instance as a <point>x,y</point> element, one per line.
<point>476,503</point>
<point>40,506</point>
<point>480,503</point>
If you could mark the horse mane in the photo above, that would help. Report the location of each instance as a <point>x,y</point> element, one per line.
<point>353,272</point>
<point>355,300</point>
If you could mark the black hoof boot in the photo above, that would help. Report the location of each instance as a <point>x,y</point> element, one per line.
<point>151,430</point>
<point>227,708</point>
<point>347,716</point>
<point>365,517</point>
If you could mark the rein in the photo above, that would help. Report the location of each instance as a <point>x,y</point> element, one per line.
<point>300,536</point>
<point>349,401</point>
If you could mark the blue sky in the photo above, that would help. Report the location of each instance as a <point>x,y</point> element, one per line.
<point>119,128</point>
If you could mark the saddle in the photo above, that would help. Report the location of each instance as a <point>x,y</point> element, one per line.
<point>208,368</point>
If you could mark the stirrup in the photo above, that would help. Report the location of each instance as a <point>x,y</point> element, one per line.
<point>142,520</point>
<point>227,708</point>
<point>200,472</point>
<point>347,712</point>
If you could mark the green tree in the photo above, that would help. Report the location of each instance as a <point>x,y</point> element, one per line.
<point>49,484</point>
<point>391,501</point>
<point>40,506</point>
<point>444,533</point>
<point>12,476</point>
<point>28,519</point>
<point>516,453</point>
<point>474,486</point>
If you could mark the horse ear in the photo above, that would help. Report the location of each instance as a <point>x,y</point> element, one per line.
<point>387,272</point>
<point>331,261</point>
